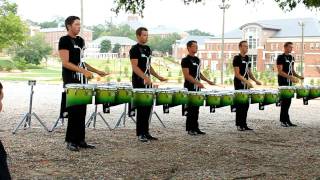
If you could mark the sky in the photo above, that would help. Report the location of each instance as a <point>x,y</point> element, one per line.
<point>171,13</point>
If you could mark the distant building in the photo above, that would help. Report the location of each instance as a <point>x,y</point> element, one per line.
<point>266,39</point>
<point>125,44</point>
<point>52,36</point>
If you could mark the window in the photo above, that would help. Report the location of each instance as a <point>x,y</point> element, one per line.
<point>311,46</point>
<point>272,58</point>
<point>317,45</point>
<point>209,55</point>
<point>253,59</point>
<point>251,35</point>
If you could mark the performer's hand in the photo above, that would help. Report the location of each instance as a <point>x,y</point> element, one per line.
<point>162,79</point>
<point>294,79</point>
<point>88,74</point>
<point>147,81</point>
<point>211,83</point>
<point>102,74</point>
<point>249,85</point>
<point>200,85</point>
<point>301,77</point>
<point>258,82</point>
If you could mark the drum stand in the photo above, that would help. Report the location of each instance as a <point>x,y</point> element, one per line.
<point>156,114</point>
<point>55,125</point>
<point>93,119</point>
<point>27,118</point>
<point>123,117</point>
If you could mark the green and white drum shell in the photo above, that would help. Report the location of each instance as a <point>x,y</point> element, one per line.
<point>164,96</point>
<point>287,92</point>
<point>123,94</point>
<point>213,98</point>
<point>105,94</point>
<point>257,96</point>
<point>314,92</point>
<point>143,97</point>
<point>196,98</point>
<point>271,96</point>
<point>241,96</point>
<point>180,96</point>
<point>227,98</point>
<point>79,94</point>
<point>302,91</point>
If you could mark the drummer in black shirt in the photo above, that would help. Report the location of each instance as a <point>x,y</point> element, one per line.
<point>70,50</point>
<point>242,73</point>
<point>140,57</point>
<point>192,75</point>
<point>286,76</point>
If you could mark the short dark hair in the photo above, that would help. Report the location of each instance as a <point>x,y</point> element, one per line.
<point>1,87</point>
<point>189,43</point>
<point>287,44</point>
<point>139,30</point>
<point>70,20</point>
<point>241,42</point>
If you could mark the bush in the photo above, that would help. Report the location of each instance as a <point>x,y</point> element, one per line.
<point>312,82</point>
<point>318,82</point>
<point>108,78</point>
<point>1,68</point>
<point>169,74</point>
<point>118,79</point>
<point>179,79</point>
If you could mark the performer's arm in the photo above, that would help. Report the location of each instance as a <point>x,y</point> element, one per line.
<point>240,77</point>
<point>285,75</point>
<point>191,79</point>
<point>64,56</point>
<point>153,73</point>
<point>92,69</point>
<point>139,72</point>
<point>205,79</point>
<point>251,76</point>
<point>295,74</point>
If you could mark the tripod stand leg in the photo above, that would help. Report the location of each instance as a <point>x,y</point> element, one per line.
<point>133,120</point>
<point>43,125</point>
<point>119,121</point>
<point>104,120</point>
<point>22,121</point>
<point>159,119</point>
<point>55,125</point>
<point>89,120</point>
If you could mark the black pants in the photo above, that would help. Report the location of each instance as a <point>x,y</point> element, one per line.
<point>192,123</point>
<point>4,170</point>
<point>76,124</point>
<point>284,113</point>
<point>241,114</point>
<point>143,114</point>
<point>241,109</point>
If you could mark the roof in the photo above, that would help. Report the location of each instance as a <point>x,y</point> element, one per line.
<point>200,39</point>
<point>57,29</point>
<point>284,27</point>
<point>115,40</point>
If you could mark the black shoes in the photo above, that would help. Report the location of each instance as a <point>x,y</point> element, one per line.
<point>76,147</point>
<point>143,138</point>
<point>192,133</point>
<point>291,125</point>
<point>149,137</point>
<point>197,132</point>
<point>244,128</point>
<point>86,146</point>
<point>72,147</point>
<point>288,124</point>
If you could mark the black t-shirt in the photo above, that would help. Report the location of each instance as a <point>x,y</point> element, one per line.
<point>287,62</point>
<point>193,64</point>
<point>142,53</point>
<point>71,44</point>
<point>242,63</point>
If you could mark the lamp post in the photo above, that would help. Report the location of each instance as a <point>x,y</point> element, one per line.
<point>223,6</point>
<point>301,23</point>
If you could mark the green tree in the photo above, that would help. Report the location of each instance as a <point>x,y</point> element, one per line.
<point>33,51</point>
<point>12,29</point>
<point>197,32</point>
<point>157,43</point>
<point>57,22</point>
<point>105,46</point>
<point>116,48</point>
<point>137,6</point>
<point>98,31</point>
